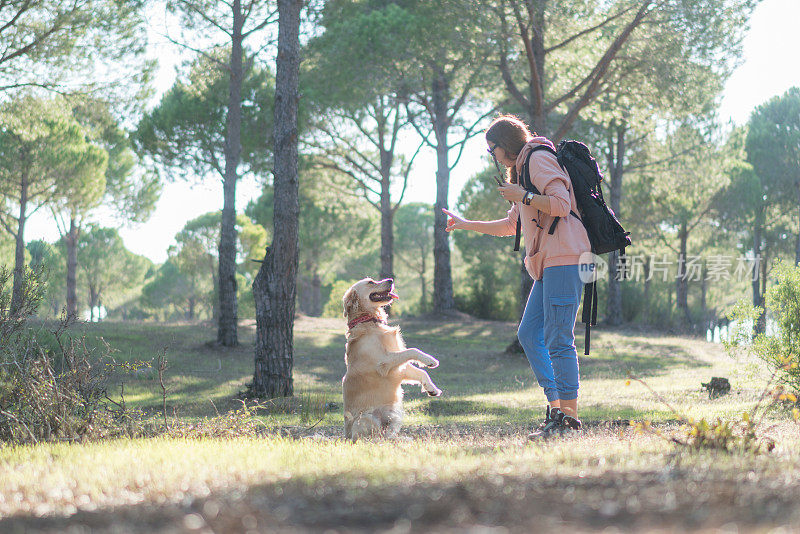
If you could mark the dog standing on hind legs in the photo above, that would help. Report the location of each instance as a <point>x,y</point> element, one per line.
<point>378,363</point>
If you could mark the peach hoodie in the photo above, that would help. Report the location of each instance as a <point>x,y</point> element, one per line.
<point>570,239</point>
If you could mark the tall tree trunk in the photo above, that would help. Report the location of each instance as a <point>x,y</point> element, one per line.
<point>646,272</point>
<point>316,295</point>
<point>763,266</point>
<point>533,102</point>
<point>387,217</point>
<point>215,291</point>
<point>703,293</point>
<point>681,281</point>
<point>442,274</point>
<point>93,298</point>
<point>758,296</point>
<point>71,242</point>
<point>797,243</point>
<point>275,285</point>
<point>303,294</point>
<point>525,286</point>
<point>19,251</point>
<point>614,297</point>
<point>761,323</point>
<point>756,255</point>
<point>536,93</point>
<point>616,155</point>
<point>422,284</point>
<point>228,313</point>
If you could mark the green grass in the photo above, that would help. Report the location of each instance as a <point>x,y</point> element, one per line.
<point>475,373</point>
<point>462,461</point>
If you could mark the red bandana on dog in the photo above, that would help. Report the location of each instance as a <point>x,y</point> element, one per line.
<point>363,319</point>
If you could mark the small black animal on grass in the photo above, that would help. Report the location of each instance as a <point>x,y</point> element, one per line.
<point>717,387</point>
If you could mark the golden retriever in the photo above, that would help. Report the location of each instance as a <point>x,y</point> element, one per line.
<point>378,362</point>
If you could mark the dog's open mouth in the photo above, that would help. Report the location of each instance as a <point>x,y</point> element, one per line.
<point>383,296</point>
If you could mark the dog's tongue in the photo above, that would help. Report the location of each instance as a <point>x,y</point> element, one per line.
<point>393,295</point>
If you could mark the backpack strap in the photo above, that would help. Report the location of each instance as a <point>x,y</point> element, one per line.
<point>586,339</point>
<point>589,316</point>
<point>526,170</point>
<point>527,184</point>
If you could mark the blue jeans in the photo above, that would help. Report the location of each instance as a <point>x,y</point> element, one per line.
<point>546,331</point>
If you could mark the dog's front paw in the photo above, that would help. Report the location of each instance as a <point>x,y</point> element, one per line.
<point>435,393</point>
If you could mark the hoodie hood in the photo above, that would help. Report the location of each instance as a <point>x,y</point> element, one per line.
<point>523,154</point>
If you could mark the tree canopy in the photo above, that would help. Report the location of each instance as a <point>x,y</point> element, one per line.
<point>185,134</point>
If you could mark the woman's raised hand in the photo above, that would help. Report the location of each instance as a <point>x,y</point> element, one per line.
<point>454,222</point>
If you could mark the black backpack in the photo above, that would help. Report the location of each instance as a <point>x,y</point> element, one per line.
<point>605,232</point>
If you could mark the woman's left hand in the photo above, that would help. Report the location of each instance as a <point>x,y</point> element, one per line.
<point>511,192</point>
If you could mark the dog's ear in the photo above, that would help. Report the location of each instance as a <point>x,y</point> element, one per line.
<point>350,303</point>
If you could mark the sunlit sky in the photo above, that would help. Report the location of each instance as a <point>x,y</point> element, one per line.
<point>769,68</point>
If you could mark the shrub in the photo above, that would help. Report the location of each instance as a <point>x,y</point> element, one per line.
<point>49,387</point>
<point>54,388</point>
<point>489,287</point>
<point>333,308</point>
<point>12,321</point>
<point>744,435</point>
<point>779,347</point>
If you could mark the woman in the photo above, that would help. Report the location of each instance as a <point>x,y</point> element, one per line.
<point>552,260</point>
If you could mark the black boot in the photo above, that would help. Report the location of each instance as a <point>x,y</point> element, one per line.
<point>551,426</point>
<point>570,425</point>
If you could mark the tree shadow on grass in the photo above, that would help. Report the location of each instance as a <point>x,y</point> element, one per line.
<point>474,416</point>
<point>471,352</point>
<point>479,335</point>
<point>642,499</point>
<point>455,407</point>
<point>319,370</point>
<point>641,359</point>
